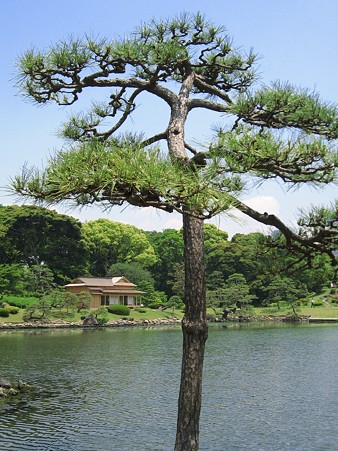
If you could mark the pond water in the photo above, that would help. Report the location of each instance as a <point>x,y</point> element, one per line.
<point>265,388</point>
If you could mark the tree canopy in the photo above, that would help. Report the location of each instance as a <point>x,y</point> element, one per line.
<point>31,235</point>
<point>109,242</point>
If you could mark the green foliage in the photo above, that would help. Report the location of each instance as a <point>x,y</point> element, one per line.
<point>282,289</point>
<point>237,291</point>
<point>174,302</point>
<point>154,304</point>
<point>41,280</point>
<point>151,298</point>
<point>118,309</point>
<point>34,236</point>
<point>109,242</point>
<point>160,50</point>
<point>178,280</point>
<point>70,300</point>
<point>160,183</point>
<point>4,312</point>
<point>295,108</point>
<point>216,299</point>
<point>241,255</point>
<point>249,150</point>
<point>20,301</point>
<point>13,310</point>
<point>101,314</point>
<point>38,311</point>
<point>318,304</point>
<point>168,247</point>
<point>13,278</point>
<point>84,298</point>
<point>132,271</point>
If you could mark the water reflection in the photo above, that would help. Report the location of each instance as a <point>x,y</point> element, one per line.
<point>265,388</point>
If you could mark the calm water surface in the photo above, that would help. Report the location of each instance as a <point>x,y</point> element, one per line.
<point>265,388</point>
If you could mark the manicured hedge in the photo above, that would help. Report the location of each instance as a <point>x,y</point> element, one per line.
<point>20,301</point>
<point>118,309</point>
<point>4,312</point>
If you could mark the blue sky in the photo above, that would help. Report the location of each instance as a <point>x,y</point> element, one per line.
<point>296,39</point>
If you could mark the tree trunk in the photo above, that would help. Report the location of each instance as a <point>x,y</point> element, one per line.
<point>195,333</point>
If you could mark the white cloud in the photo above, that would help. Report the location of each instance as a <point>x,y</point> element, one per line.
<point>236,222</point>
<point>263,204</point>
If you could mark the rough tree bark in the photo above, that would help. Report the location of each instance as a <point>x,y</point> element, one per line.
<point>195,333</point>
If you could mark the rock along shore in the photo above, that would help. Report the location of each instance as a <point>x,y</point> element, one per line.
<point>125,322</point>
<point>80,325</point>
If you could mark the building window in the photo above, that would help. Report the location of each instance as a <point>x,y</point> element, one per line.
<point>104,300</point>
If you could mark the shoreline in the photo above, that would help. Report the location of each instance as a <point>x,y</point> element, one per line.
<point>59,324</point>
<point>80,325</point>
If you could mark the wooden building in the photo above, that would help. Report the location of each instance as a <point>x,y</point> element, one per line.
<point>107,290</point>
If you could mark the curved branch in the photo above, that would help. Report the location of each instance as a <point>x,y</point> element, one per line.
<point>210,89</point>
<point>209,105</point>
<point>133,82</point>
<point>315,242</point>
<point>121,121</point>
<point>154,139</point>
<point>190,148</point>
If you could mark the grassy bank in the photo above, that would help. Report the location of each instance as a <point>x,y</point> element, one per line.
<point>315,312</point>
<point>149,314</point>
<point>325,309</point>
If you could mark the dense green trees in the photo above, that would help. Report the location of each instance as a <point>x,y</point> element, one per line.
<point>34,240</point>
<point>34,236</point>
<point>109,242</point>
<point>168,246</point>
<point>153,260</point>
<point>133,271</point>
<point>13,279</point>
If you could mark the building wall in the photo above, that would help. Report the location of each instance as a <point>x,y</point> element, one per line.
<point>96,302</point>
<point>117,298</point>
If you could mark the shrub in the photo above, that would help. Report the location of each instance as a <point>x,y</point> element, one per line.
<point>140,310</point>
<point>317,304</point>
<point>4,312</point>
<point>13,310</point>
<point>39,310</point>
<point>118,309</point>
<point>304,302</point>
<point>154,305</point>
<point>174,302</point>
<point>299,303</point>
<point>21,301</point>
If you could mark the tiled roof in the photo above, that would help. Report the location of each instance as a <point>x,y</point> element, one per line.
<point>106,282</point>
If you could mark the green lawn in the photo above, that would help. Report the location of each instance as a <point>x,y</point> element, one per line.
<point>315,312</point>
<point>320,312</point>
<point>75,317</point>
<point>149,314</point>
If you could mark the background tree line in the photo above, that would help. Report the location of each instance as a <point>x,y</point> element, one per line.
<point>41,249</point>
